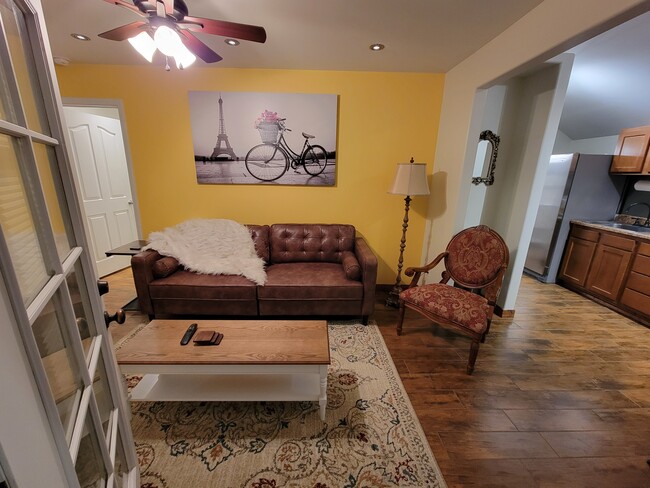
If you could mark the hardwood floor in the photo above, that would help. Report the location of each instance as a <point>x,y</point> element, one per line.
<point>560,396</point>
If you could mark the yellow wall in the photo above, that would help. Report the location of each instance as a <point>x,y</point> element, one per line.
<point>384,118</point>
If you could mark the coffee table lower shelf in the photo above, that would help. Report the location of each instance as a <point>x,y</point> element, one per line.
<point>233,383</point>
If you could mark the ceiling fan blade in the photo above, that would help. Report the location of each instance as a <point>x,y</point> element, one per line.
<point>124,4</point>
<point>198,48</point>
<point>125,32</point>
<point>227,29</point>
<point>169,6</point>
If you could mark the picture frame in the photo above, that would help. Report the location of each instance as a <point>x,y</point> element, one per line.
<point>264,138</point>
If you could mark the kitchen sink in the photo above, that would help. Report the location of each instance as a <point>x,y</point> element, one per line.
<point>622,226</point>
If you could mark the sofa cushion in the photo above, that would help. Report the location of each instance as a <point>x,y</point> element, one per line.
<point>351,266</point>
<point>164,267</point>
<point>293,243</point>
<point>260,235</point>
<point>300,281</point>
<point>186,284</point>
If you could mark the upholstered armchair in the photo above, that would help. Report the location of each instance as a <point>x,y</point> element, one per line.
<point>475,260</point>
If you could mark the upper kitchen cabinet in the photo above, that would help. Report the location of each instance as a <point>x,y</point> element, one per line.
<point>632,155</point>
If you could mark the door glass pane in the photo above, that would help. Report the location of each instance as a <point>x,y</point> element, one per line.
<point>17,223</point>
<point>102,394</point>
<point>63,377</point>
<point>48,173</point>
<point>7,111</point>
<point>13,21</point>
<point>89,466</point>
<point>82,308</point>
<point>120,461</point>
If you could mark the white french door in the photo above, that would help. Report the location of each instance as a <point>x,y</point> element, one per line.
<point>65,418</point>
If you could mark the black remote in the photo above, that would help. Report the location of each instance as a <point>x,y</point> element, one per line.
<point>188,334</point>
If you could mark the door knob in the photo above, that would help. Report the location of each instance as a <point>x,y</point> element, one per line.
<point>118,317</point>
<point>102,286</point>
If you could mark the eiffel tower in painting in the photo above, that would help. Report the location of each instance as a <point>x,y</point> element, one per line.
<point>222,138</point>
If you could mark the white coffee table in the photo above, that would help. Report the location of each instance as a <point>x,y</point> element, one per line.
<point>257,360</point>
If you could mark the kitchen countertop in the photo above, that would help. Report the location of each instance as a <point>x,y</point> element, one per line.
<point>617,227</point>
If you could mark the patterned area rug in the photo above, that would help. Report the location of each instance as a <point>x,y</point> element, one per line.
<point>370,438</point>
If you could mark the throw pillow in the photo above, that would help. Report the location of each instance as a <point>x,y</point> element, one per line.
<point>164,267</point>
<point>351,265</point>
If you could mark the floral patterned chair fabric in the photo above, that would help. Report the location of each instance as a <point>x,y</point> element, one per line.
<point>476,260</point>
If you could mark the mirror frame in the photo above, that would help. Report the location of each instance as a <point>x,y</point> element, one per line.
<point>493,139</point>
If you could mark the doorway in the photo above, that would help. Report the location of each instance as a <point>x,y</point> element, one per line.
<point>103,168</point>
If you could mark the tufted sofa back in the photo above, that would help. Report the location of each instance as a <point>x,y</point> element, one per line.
<point>260,234</point>
<point>291,243</point>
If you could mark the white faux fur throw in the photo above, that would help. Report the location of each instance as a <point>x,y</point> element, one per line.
<point>211,246</point>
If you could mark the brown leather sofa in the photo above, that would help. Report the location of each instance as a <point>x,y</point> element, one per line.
<point>312,270</point>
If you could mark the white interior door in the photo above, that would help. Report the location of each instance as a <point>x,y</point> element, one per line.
<point>97,147</point>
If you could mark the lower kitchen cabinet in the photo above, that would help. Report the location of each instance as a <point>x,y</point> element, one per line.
<point>611,268</point>
<point>636,295</point>
<point>578,256</point>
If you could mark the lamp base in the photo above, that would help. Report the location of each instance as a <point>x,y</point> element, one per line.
<point>392,300</point>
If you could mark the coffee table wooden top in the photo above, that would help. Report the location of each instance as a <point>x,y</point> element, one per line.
<point>244,342</point>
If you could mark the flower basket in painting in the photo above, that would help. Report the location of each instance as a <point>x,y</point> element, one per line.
<point>268,123</point>
<point>269,132</point>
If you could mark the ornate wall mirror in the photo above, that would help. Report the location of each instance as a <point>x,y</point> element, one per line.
<point>493,139</point>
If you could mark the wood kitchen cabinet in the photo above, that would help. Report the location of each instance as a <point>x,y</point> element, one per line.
<point>632,153</point>
<point>609,267</point>
<point>636,294</point>
<point>578,255</point>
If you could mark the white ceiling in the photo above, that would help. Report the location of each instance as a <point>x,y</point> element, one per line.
<point>609,87</point>
<point>420,35</point>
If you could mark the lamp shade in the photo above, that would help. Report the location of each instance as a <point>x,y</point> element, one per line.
<point>144,44</point>
<point>410,179</point>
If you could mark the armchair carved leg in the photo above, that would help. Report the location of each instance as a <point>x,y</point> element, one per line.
<point>487,329</point>
<point>400,318</point>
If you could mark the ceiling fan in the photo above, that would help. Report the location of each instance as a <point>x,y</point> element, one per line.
<point>169,28</point>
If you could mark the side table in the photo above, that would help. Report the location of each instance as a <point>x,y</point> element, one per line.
<point>130,249</point>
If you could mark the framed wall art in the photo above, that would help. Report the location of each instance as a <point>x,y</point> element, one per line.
<point>264,138</point>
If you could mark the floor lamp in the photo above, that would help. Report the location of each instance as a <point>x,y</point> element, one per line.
<point>410,180</point>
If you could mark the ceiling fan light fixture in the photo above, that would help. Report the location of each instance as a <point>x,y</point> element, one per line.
<point>144,44</point>
<point>184,57</point>
<point>167,40</point>
<point>80,37</point>
<point>232,42</point>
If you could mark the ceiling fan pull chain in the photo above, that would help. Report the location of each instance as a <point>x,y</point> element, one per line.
<point>167,68</point>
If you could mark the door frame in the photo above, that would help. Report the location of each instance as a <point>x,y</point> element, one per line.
<point>119,105</point>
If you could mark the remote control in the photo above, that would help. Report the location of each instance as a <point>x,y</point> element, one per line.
<point>188,334</point>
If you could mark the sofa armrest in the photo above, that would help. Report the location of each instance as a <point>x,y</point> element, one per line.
<point>142,268</point>
<point>368,262</point>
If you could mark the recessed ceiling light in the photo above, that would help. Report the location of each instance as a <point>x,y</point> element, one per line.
<point>232,42</point>
<point>80,37</point>
<point>376,47</point>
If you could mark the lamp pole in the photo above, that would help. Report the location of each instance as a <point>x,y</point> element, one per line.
<point>393,296</point>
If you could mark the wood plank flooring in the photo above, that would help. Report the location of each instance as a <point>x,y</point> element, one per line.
<point>560,396</point>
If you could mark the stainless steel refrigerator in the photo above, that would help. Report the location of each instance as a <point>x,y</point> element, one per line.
<point>577,187</point>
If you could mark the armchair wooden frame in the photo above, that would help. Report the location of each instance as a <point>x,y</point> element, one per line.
<point>488,288</point>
